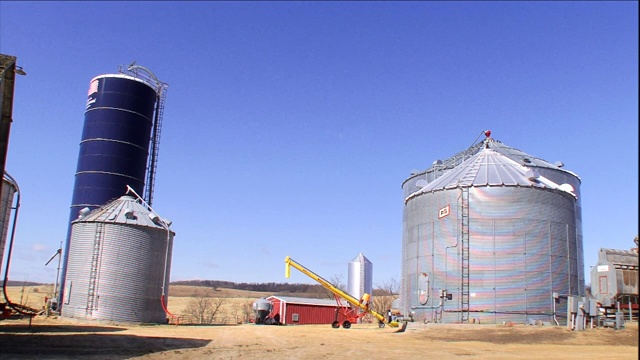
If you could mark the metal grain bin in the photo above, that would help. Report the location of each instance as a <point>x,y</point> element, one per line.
<point>119,264</point>
<point>490,240</point>
<point>261,309</point>
<point>554,172</point>
<point>360,277</point>
<point>9,189</point>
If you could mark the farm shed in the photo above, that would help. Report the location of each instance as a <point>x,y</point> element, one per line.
<point>305,311</point>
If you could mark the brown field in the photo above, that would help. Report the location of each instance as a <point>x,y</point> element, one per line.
<point>59,338</point>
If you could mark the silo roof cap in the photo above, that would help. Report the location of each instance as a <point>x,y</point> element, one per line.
<point>491,143</point>
<point>361,259</point>
<point>124,210</point>
<point>490,168</point>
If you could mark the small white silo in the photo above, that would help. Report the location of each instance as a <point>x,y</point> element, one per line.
<point>360,278</point>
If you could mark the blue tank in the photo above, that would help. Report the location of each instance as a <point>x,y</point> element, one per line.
<point>115,141</point>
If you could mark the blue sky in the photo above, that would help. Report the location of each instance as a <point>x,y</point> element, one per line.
<point>289,127</point>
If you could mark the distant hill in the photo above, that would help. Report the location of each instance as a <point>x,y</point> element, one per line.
<point>270,287</point>
<point>21,283</point>
<point>285,289</point>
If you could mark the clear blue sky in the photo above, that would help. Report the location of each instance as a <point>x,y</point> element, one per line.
<point>290,126</point>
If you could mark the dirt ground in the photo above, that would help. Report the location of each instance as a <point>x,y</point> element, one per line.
<point>59,338</point>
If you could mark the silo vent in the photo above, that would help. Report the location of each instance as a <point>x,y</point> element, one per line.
<point>532,174</point>
<point>154,217</point>
<point>568,188</point>
<point>559,164</point>
<point>129,214</point>
<point>527,160</point>
<point>437,162</point>
<point>83,212</point>
<point>421,183</point>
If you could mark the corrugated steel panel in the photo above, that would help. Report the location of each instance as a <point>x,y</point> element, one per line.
<point>488,168</point>
<point>618,257</point>
<point>523,247</point>
<point>6,203</point>
<point>116,271</point>
<point>124,210</point>
<point>440,167</point>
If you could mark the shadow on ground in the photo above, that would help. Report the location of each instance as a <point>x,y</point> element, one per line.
<point>36,344</point>
<point>35,329</point>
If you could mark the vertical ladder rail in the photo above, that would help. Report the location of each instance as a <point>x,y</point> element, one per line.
<point>464,275</point>
<point>93,271</point>
<point>155,144</point>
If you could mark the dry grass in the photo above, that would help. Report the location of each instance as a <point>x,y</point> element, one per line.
<point>61,338</point>
<point>180,296</point>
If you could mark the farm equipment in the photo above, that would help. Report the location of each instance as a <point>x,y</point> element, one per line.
<point>359,307</point>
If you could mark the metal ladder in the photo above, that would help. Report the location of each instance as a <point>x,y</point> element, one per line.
<point>155,144</point>
<point>464,275</point>
<point>95,262</point>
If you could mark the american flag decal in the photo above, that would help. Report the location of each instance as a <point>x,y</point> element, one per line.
<point>93,87</point>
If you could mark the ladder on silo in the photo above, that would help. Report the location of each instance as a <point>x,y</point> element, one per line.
<point>155,144</point>
<point>93,271</point>
<point>464,275</point>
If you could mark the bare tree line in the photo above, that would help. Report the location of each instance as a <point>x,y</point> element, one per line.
<point>204,309</point>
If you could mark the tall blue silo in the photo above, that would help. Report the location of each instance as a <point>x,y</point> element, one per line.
<point>121,128</point>
<point>115,140</point>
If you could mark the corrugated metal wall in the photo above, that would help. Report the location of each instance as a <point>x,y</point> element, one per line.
<point>115,272</point>
<point>522,244</point>
<point>6,203</point>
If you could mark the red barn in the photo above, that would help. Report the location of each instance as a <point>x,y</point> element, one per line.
<point>304,311</point>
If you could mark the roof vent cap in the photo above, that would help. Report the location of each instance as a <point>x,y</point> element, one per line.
<point>129,214</point>
<point>568,188</point>
<point>422,183</point>
<point>83,212</point>
<point>532,174</point>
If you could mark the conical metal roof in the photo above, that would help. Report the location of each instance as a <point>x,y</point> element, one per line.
<point>361,259</point>
<point>124,210</point>
<point>491,143</point>
<point>488,167</point>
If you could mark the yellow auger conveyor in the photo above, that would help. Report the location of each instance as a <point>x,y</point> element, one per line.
<point>351,315</point>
